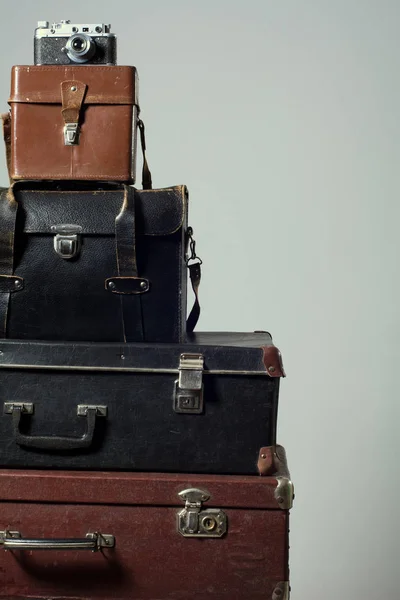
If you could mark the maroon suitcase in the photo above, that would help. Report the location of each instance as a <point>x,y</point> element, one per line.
<point>96,535</point>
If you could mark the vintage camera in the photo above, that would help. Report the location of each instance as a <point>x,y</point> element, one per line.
<point>67,43</point>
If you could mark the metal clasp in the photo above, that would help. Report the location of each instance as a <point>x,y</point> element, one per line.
<point>67,242</point>
<point>195,522</point>
<point>71,134</point>
<point>188,397</point>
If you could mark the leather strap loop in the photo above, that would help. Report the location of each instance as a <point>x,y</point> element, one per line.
<point>125,241</point>
<point>72,97</point>
<point>8,216</point>
<point>126,285</point>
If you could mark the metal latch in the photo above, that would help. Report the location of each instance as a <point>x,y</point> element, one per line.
<point>67,241</point>
<point>195,522</point>
<point>188,397</point>
<point>71,134</point>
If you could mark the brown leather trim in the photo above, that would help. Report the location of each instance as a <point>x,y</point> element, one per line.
<point>72,94</point>
<point>67,177</point>
<point>267,461</point>
<point>272,461</point>
<point>106,84</point>
<point>272,359</point>
<point>40,98</point>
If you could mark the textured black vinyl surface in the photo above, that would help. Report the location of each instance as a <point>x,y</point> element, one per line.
<point>141,432</point>
<point>222,351</point>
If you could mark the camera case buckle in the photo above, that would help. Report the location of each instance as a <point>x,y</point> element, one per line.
<point>71,134</point>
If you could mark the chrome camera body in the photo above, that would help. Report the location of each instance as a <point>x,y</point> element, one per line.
<point>67,43</point>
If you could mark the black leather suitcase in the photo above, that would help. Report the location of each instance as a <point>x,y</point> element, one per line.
<point>208,406</point>
<point>90,262</point>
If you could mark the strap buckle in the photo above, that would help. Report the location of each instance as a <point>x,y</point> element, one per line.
<point>193,258</point>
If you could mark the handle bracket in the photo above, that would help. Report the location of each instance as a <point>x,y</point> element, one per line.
<point>27,408</point>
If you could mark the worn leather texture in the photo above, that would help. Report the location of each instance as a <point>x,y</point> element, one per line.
<point>105,107</point>
<point>140,510</point>
<point>67,299</point>
<point>137,382</point>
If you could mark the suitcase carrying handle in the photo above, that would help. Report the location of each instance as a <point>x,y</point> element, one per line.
<point>12,540</point>
<point>54,443</point>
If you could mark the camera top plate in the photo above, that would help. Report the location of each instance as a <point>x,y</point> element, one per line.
<point>66,29</point>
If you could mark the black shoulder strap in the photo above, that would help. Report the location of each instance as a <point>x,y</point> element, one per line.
<point>8,283</point>
<point>193,263</point>
<point>195,277</point>
<point>146,175</point>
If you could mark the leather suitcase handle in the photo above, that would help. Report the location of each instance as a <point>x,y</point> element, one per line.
<point>55,443</point>
<point>12,540</point>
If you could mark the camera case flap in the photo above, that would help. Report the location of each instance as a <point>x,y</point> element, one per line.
<point>74,123</point>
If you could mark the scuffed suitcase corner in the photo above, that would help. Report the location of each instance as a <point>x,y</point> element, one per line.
<point>272,359</point>
<point>284,492</point>
<point>281,591</point>
<point>272,462</point>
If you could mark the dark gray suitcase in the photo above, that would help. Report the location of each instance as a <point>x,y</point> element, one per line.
<point>208,406</point>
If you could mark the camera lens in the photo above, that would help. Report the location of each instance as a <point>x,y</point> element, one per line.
<point>80,48</point>
<point>78,44</point>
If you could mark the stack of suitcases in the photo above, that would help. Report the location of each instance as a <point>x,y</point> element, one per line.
<point>138,458</point>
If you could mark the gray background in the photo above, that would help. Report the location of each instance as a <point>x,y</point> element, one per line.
<point>283,120</point>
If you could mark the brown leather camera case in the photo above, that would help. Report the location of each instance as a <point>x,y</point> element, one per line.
<point>74,122</point>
